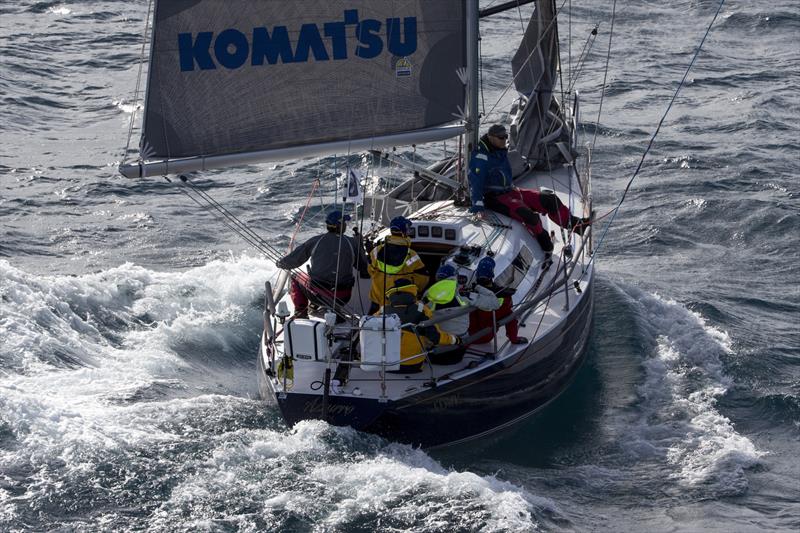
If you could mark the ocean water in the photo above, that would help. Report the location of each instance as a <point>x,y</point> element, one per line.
<point>129,317</point>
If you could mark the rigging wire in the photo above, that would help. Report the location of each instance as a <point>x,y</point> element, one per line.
<point>138,81</point>
<point>605,75</point>
<point>249,236</point>
<point>303,214</point>
<point>582,58</point>
<point>528,58</point>
<point>616,209</point>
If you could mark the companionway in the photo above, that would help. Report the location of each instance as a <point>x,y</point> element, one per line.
<point>232,48</point>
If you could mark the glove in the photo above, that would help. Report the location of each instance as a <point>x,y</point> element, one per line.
<point>458,340</point>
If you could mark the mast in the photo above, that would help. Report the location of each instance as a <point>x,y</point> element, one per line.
<point>471,122</point>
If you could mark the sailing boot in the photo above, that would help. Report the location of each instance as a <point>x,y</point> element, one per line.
<point>545,242</point>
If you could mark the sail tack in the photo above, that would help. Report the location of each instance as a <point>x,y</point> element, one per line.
<point>238,76</point>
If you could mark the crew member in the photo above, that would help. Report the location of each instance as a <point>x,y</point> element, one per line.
<point>482,319</point>
<point>401,300</point>
<point>491,186</point>
<point>447,296</point>
<point>394,259</point>
<point>330,276</point>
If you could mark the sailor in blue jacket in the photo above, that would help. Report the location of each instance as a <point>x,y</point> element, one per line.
<point>491,186</point>
<point>489,168</point>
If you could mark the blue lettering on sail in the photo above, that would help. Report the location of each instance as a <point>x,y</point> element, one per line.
<point>273,48</point>
<point>231,48</point>
<point>310,41</point>
<point>408,45</point>
<point>197,51</point>
<point>371,44</point>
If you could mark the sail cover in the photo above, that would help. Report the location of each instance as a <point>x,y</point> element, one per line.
<point>537,124</point>
<point>234,76</point>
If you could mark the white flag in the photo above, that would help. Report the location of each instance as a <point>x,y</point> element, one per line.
<point>352,191</point>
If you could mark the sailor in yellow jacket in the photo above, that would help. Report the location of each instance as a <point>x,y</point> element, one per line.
<point>394,259</point>
<point>401,300</point>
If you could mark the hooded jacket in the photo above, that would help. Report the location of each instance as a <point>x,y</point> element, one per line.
<point>392,260</point>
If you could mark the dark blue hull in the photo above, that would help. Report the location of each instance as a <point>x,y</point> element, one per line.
<point>470,407</point>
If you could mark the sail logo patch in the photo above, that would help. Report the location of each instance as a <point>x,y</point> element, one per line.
<point>232,48</point>
<point>402,67</point>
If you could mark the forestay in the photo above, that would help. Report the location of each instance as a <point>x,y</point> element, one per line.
<point>237,76</point>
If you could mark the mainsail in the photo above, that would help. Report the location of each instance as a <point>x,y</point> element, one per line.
<point>242,78</point>
<point>538,123</point>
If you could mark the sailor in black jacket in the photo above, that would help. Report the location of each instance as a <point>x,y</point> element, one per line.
<point>333,256</point>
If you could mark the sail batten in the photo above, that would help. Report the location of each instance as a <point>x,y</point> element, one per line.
<point>237,77</point>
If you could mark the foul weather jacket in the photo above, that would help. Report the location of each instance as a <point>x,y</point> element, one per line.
<point>444,298</point>
<point>489,171</point>
<point>392,260</point>
<point>414,344</point>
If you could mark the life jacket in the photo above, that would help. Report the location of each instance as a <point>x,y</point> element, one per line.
<point>392,260</point>
<point>389,246</point>
<point>444,294</point>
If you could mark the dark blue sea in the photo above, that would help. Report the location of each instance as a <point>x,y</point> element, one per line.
<point>130,317</point>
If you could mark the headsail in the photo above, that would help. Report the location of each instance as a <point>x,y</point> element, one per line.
<point>242,77</point>
<point>538,122</point>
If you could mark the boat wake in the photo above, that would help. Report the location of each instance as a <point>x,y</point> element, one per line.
<point>131,388</point>
<point>676,412</point>
<point>126,401</point>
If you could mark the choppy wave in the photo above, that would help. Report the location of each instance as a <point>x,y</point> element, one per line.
<point>131,387</point>
<point>127,390</point>
<point>683,380</point>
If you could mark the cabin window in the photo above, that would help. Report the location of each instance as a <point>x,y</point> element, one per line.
<point>450,234</point>
<point>422,231</point>
<point>436,232</point>
<point>516,271</point>
<point>412,232</point>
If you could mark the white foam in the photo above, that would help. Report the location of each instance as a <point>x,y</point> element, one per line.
<point>684,377</point>
<point>59,10</point>
<point>90,406</point>
<point>334,482</point>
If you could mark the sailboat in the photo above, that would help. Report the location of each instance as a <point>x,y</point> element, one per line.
<point>242,82</point>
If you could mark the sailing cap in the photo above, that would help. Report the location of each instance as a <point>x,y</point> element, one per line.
<point>485,268</point>
<point>334,218</point>
<point>445,271</point>
<point>401,224</point>
<point>498,130</point>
